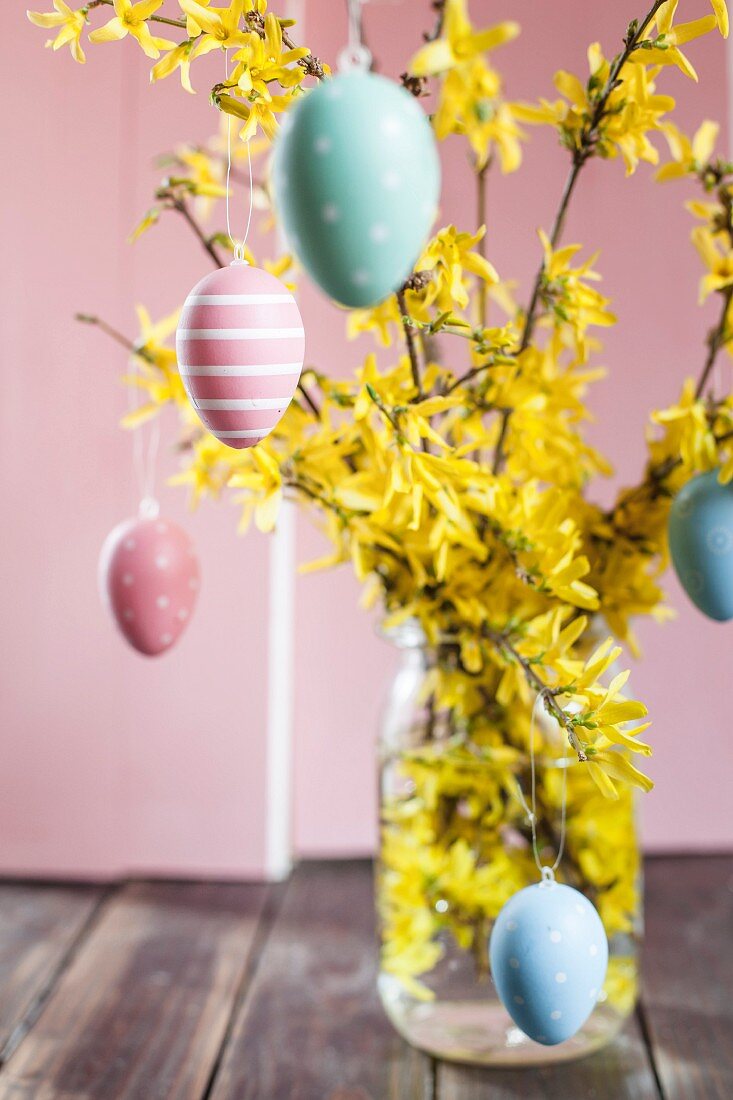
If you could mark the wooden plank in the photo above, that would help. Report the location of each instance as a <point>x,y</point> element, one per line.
<point>312,1027</point>
<point>688,975</point>
<point>38,928</point>
<point>142,1011</point>
<point>622,1071</point>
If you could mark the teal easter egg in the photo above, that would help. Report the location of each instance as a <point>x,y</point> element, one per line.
<point>548,953</point>
<point>356,179</point>
<point>701,544</point>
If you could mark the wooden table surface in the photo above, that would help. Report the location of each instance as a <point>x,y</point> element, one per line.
<point>201,991</point>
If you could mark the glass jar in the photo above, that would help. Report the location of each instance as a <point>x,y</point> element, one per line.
<point>455,845</point>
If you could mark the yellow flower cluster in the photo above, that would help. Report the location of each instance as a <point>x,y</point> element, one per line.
<point>262,56</point>
<point>618,107</point>
<point>470,100</point>
<point>455,478</point>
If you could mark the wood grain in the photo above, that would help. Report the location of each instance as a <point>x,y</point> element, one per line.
<point>621,1071</point>
<point>143,1009</point>
<point>38,928</point>
<point>232,992</point>
<point>688,976</point>
<point>312,1027</point>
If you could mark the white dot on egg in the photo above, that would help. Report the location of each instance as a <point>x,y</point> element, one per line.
<point>360,277</point>
<point>561,977</point>
<point>555,936</point>
<point>183,614</point>
<point>161,561</point>
<point>162,601</point>
<point>322,144</point>
<point>130,544</point>
<point>391,179</point>
<point>514,963</point>
<point>556,1015</point>
<point>593,950</point>
<point>580,909</point>
<point>127,579</point>
<point>379,232</point>
<point>391,126</point>
<point>519,1000</point>
<point>330,213</point>
<point>166,639</point>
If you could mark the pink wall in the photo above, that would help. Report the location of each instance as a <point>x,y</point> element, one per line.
<point>113,763</point>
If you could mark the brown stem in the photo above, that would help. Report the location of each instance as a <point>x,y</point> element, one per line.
<point>439,6</point>
<point>309,401</point>
<point>124,341</point>
<point>410,341</point>
<point>181,206</point>
<point>586,147</point>
<point>716,341</point>
<point>555,233</point>
<point>551,705</point>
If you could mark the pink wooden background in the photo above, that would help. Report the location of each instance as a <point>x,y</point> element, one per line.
<point>111,763</point>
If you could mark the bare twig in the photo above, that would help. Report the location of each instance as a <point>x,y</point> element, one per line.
<point>410,341</point>
<point>548,695</point>
<point>309,401</point>
<point>123,341</point>
<point>178,203</point>
<point>585,149</point>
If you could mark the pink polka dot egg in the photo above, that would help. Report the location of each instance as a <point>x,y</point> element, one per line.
<point>240,345</point>
<point>149,579</point>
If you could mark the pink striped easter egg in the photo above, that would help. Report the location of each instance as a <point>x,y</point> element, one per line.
<point>240,345</point>
<point>149,579</point>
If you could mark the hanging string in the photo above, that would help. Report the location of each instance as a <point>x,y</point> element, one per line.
<point>238,246</point>
<point>720,387</point>
<point>547,872</point>
<point>356,55</point>
<point>144,461</point>
<point>354,11</point>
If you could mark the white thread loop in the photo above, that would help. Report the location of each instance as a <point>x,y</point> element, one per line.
<point>149,508</point>
<point>144,462</point>
<point>356,55</point>
<point>547,872</point>
<point>238,246</point>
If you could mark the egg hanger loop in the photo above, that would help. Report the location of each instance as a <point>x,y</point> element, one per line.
<point>238,246</point>
<point>546,871</point>
<point>144,463</point>
<point>356,55</point>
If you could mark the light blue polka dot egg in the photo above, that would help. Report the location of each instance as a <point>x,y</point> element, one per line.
<point>356,179</point>
<point>548,954</point>
<point>701,544</point>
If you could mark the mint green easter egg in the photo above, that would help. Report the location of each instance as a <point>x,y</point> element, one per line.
<point>356,179</point>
